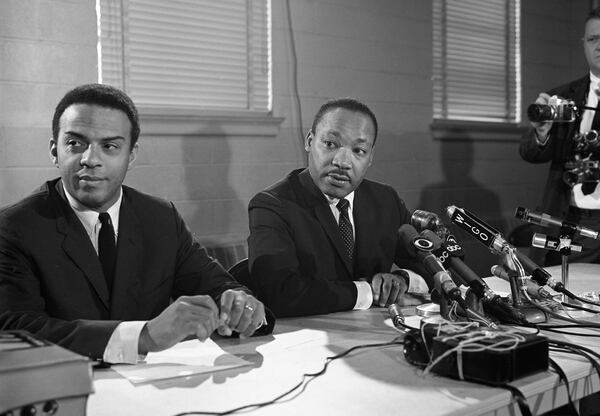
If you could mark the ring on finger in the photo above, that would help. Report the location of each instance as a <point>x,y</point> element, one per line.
<point>250,308</point>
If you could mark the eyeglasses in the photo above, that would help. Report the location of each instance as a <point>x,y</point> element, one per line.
<point>592,39</point>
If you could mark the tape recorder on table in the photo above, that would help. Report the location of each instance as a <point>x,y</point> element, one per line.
<point>40,378</point>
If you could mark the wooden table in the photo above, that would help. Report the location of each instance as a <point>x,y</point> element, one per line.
<point>372,381</point>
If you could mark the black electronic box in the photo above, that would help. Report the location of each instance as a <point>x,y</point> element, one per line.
<point>40,378</point>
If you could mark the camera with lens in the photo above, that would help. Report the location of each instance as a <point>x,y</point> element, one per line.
<point>557,110</point>
<point>581,170</point>
<point>587,141</point>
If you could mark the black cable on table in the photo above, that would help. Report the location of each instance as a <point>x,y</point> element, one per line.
<point>301,385</point>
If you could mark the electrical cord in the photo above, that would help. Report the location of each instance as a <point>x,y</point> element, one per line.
<point>579,298</point>
<point>558,331</point>
<point>578,348</point>
<point>301,386</point>
<point>294,65</point>
<point>550,312</point>
<point>563,377</point>
<point>570,348</point>
<point>582,308</point>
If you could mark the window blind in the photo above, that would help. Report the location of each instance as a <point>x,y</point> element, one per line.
<point>188,53</point>
<point>476,60</point>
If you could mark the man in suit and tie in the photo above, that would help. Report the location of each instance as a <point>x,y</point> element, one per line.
<point>324,239</point>
<point>571,190</point>
<point>103,269</point>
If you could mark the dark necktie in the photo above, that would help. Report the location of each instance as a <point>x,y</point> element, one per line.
<point>346,227</point>
<point>107,250</point>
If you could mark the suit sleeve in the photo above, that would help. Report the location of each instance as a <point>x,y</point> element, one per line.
<point>199,274</point>
<point>531,151</point>
<point>403,258</point>
<point>22,305</point>
<point>275,267</point>
<point>196,273</point>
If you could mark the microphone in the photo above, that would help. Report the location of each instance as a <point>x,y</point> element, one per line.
<point>397,316</point>
<point>450,289</point>
<point>547,221</point>
<point>476,283</point>
<point>425,220</point>
<point>533,288</point>
<point>481,231</point>
<point>421,248</point>
<point>452,292</point>
<point>552,243</point>
<point>492,238</point>
<point>451,254</point>
<point>421,245</point>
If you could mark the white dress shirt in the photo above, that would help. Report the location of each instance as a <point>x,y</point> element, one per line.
<point>578,199</point>
<point>122,346</point>
<point>364,298</point>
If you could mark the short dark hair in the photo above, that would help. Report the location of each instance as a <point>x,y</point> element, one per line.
<point>103,96</point>
<point>346,103</point>
<point>593,14</point>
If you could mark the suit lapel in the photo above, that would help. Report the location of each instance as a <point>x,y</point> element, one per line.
<point>129,254</point>
<point>579,94</point>
<point>317,200</point>
<point>78,247</point>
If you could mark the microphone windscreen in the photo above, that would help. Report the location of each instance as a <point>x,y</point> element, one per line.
<point>407,235</point>
<point>433,237</point>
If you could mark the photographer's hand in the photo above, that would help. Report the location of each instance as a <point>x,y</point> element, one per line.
<point>542,128</point>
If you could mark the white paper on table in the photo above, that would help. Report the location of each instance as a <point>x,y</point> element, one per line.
<point>183,359</point>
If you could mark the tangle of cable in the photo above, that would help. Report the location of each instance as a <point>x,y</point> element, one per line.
<point>550,312</point>
<point>477,341</point>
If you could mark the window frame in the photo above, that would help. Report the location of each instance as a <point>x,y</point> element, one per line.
<point>456,127</point>
<point>186,120</point>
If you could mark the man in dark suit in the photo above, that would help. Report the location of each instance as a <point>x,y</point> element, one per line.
<point>571,190</point>
<point>92,265</point>
<point>309,251</point>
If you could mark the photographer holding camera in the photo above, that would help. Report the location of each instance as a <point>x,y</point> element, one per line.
<point>564,131</point>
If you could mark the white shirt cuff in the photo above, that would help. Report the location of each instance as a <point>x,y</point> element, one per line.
<point>122,346</point>
<point>416,283</point>
<point>364,295</point>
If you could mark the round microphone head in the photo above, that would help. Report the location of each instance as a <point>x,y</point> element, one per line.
<point>425,220</point>
<point>432,237</point>
<point>407,235</point>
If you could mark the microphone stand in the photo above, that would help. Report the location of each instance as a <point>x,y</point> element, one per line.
<point>566,238</point>
<point>564,245</point>
<point>517,284</point>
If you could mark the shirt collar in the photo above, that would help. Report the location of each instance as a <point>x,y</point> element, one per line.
<point>349,198</point>
<point>594,80</point>
<point>89,217</point>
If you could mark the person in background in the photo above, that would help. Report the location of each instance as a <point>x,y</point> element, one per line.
<point>325,239</point>
<point>573,150</point>
<point>92,265</point>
